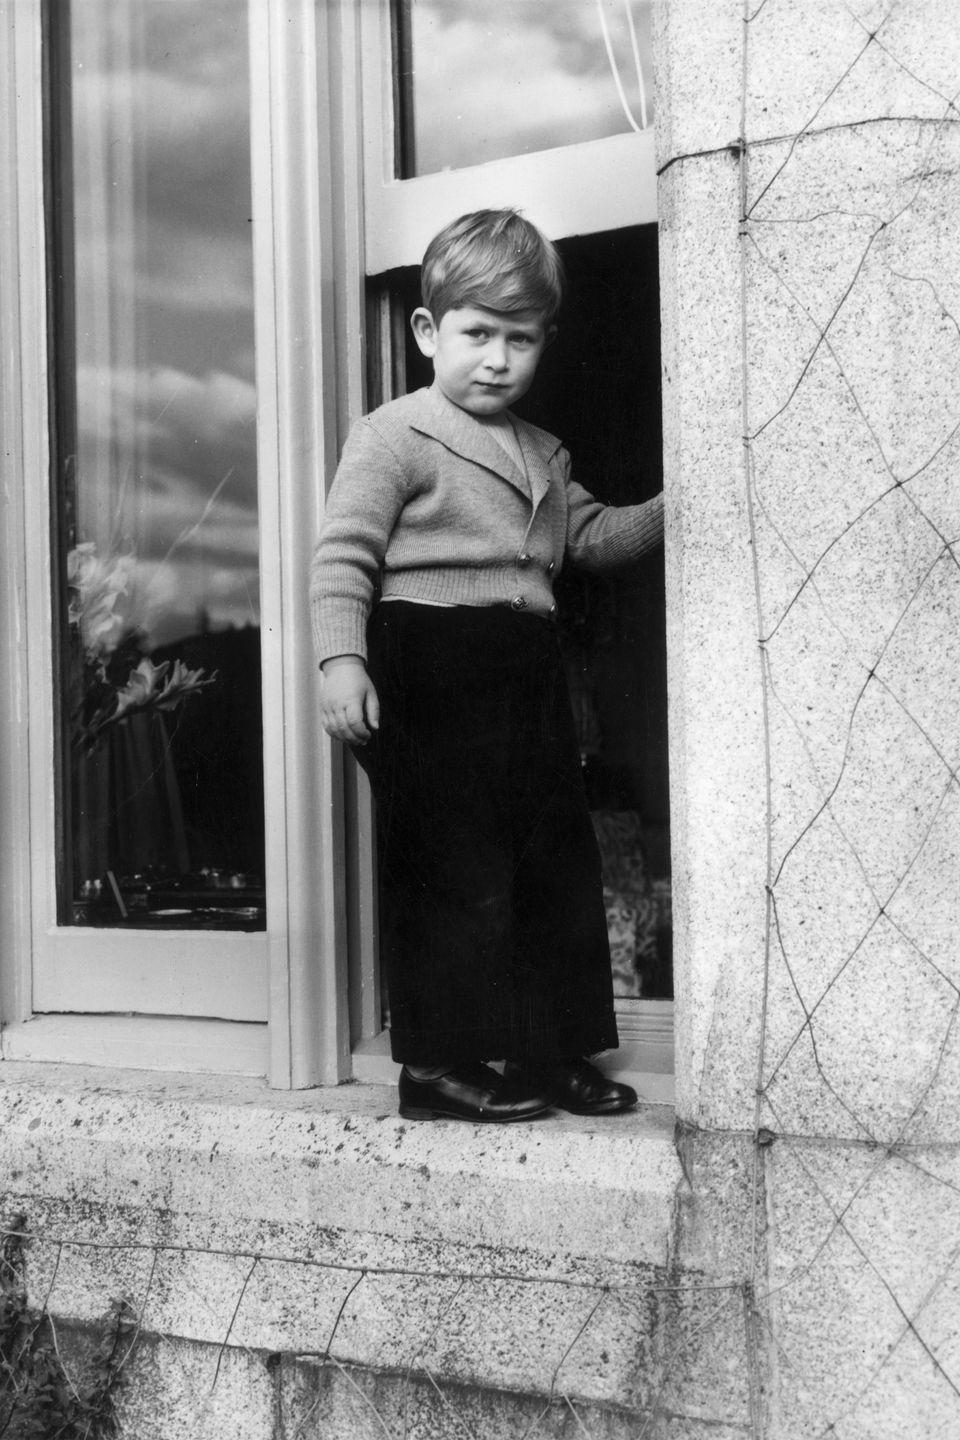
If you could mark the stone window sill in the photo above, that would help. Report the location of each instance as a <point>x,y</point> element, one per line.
<point>273,1220</point>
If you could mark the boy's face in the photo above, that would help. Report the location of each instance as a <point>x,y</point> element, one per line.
<point>483,360</point>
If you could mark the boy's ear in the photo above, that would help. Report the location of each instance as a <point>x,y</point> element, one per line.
<point>550,336</point>
<point>424,331</point>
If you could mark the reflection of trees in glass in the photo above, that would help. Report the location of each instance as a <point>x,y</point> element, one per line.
<point>514,76</point>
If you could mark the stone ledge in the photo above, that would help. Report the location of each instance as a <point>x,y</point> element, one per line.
<point>275,1220</point>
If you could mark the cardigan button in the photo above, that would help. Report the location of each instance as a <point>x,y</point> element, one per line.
<point>518,603</point>
<point>552,611</point>
<point>523,558</point>
<point>550,568</point>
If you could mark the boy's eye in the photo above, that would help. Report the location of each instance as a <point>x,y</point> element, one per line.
<point>477,333</point>
<point>521,339</point>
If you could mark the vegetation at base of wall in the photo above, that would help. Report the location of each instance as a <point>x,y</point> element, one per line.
<point>39,1398</point>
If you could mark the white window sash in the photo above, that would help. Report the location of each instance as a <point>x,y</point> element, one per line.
<point>580,189</point>
<point>23,453</point>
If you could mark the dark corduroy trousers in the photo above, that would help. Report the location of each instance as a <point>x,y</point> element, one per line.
<point>492,918</point>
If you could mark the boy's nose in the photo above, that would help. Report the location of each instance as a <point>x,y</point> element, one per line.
<point>495,357</point>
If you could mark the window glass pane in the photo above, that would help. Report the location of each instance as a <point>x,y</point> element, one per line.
<point>155,485</point>
<point>480,82</point>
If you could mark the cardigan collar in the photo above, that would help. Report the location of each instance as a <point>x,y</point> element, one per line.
<point>435,415</point>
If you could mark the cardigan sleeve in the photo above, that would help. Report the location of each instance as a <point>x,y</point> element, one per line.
<point>606,537</point>
<point>368,492</point>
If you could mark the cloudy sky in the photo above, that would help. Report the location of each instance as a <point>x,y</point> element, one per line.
<point>165,352</point>
<point>161,192</point>
<point>510,76</point>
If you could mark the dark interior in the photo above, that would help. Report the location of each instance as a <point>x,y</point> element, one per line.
<point>598,388</point>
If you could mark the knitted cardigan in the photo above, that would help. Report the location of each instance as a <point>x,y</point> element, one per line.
<point>427,505</point>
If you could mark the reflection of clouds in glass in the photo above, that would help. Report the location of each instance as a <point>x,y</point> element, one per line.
<point>176,94</point>
<point>183,271</point>
<point>167,436</point>
<point>174,598</point>
<point>519,75</point>
<point>158,295</point>
<point>176,521</point>
<point>180,493</point>
<point>164,420</point>
<point>161,105</point>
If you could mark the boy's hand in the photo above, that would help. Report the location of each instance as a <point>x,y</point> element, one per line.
<point>349,707</point>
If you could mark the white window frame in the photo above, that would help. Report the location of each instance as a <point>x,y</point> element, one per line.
<point>78,968</point>
<point>231,987</point>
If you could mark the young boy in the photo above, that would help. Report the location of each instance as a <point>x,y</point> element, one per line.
<point>450,689</point>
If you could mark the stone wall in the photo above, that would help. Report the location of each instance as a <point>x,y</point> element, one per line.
<point>810,158</point>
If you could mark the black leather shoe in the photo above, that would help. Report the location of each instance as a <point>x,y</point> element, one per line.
<point>471,1092</point>
<point>576,1085</point>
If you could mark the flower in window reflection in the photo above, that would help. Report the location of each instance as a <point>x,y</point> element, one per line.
<point>151,686</point>
<point>96,587</point>
<point>111,676</point>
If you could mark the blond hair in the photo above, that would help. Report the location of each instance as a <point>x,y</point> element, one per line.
<point>495,259</point>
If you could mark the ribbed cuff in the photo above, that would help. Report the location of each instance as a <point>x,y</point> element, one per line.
<point>638,533</point>
<point>338,630</point>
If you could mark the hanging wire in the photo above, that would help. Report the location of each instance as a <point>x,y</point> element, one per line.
<point>614,70</point>
<point>635,47</point>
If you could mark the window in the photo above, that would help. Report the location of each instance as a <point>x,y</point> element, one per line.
<point>136,546</point>
<point>132,452</point>
<point>587,186</point>
<point>160,814</point>
<point>477,84</point>
<point>433,151</point>
<point>171,994</point>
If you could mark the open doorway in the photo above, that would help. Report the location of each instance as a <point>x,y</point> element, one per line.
<point>598,389</point>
